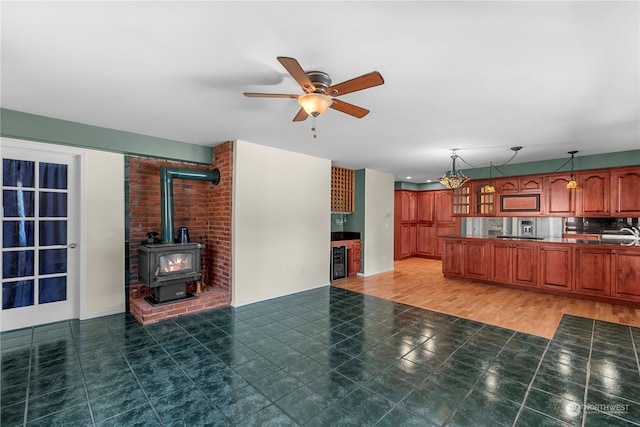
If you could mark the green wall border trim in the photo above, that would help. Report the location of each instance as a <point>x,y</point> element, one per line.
<point>32,127</point>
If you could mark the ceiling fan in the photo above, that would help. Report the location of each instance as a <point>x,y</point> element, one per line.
<point>319,94</point>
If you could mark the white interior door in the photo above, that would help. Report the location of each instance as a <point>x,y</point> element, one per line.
<point>40,226</point>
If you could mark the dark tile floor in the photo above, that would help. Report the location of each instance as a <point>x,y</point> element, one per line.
<point>319,358</point>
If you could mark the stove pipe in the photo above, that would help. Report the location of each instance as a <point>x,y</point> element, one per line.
<point>166,194</point>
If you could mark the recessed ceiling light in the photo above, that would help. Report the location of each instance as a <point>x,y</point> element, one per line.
<point>409,177</point>
<point>428,180</point>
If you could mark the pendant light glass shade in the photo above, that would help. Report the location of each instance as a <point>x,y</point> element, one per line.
<point>315,104</point>
<point>453,179</point>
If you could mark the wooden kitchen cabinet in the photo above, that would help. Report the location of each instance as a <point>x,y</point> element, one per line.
<point>507,185</point>
<point>523,184</point>
<point>610,192</point>
<point>452,258</point>
<point>560,200</point>
<point>408,240</point>
<point>593,271</point>
<point>461,205</point>
<point>426,240</point>
<point>556,265</point>
<point>484,202</point>
<point>594,198</point>
<point>409,206</point>
<point>626,274</point>
<point>426,207</point>
<point>600,272</point>
<point>444,230</point>
<point>514,263</point>
<point>354,264</point>
<point>443,206</point>
<point>626,192</point>
<point>405,223</point>
<point>475,259</point>
<point>423,217</point>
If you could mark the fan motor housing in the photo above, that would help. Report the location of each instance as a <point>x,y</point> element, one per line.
<point>320,80</point>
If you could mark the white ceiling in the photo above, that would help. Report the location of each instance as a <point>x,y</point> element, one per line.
<point>477,76</point>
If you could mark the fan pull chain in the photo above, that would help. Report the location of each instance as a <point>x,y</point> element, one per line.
<point>313,129</point>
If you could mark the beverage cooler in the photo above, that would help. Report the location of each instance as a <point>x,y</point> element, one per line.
<point>338,262</point>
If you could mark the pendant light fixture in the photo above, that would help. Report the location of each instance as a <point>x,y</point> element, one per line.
<point>490,188</point>
<point>572,182</point>
<point>453,178</point>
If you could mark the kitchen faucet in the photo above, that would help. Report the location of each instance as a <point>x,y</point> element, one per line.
<point>633,230</point>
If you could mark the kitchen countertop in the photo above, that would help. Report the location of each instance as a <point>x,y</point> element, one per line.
<point>606,242</point>
<point>344,235</point>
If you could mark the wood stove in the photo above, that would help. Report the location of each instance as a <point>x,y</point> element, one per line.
<point>166,268</point>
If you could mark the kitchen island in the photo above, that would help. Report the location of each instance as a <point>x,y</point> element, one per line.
<point>605,270</point>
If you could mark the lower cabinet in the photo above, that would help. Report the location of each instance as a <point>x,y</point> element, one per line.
<point>625,267</point>
<point>465,259</point>
<point>610,273</point>
<point>354,251</point>
<point>354,264</point>
<point>475,258</point>
<point>555,266</point>
<point>513,263</point>
<point>408,240</point>
<point>427,240</point>
<point>452,258</point>
<point>593,271</point>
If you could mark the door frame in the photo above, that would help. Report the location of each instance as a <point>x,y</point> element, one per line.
<point>78,157</point>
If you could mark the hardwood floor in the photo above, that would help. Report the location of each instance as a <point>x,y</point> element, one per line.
<point>419,282</point>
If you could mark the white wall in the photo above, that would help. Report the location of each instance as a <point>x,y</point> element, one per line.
<point>378,222</point>
<point>281,222</point>
<point>103,182</point>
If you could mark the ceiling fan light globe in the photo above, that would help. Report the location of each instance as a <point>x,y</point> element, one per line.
<point>315,104</point>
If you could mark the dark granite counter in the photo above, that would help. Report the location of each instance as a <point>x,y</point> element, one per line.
<point>601,242</point>
<point>345,235</point>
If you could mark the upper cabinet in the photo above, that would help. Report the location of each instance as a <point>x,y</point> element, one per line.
<point>342,190</point>
<point>561,201</point>
<point>523,184</point>
<point>462,201</point>
<point>599,193</point>
<point>409,203</point>
<point>594,198</point>
<point>473,200</point>
<point>426,204</point>
<point>484,201</point>
<point>626,192</point>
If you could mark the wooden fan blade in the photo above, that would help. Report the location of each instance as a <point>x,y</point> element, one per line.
<point>296,71</point>
<point>350,109</point>
<point>270,95</point>
<point>301,116</point>
<point>363,82</point>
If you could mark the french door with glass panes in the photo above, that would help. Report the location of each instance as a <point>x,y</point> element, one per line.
<point>39,231</point>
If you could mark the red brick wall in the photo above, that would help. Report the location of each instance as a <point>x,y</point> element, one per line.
<point>201,206</point>
<point>219,251</point>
